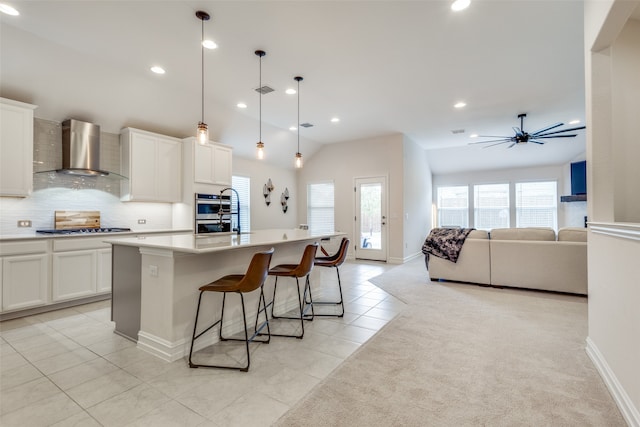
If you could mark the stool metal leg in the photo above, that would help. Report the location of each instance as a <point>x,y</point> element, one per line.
<point>300,307</point>
<point>340,302</point>
<point>246,334</point>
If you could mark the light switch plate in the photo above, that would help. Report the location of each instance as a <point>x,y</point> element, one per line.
<point>23,223</point>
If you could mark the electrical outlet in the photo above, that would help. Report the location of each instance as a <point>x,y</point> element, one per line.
<point>142,221</point>
<point>24,223</point>
<point>153,270</point>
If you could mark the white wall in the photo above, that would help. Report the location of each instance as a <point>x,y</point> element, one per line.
<point>342,163</point>
<point>569,214</point>
<point>612,92</point>
<point>417,198</point>
<point>625,114</point>
<point>272,216</point>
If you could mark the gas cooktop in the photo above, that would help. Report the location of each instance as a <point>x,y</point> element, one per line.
<point>85,230</point>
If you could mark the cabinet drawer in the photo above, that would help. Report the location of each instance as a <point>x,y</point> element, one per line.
<point>22,248</point>
<point>64,245</point>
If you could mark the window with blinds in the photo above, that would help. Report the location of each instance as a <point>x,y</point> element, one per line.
<point>241,184</point>
<point>320,202</point>
<point>453,206</point>
<point>491,206</point>
<point>537,204</point>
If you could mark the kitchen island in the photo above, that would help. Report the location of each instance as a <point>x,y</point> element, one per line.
<point>156,279</point>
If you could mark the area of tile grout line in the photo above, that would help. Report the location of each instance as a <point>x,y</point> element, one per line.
<point>68,366</point>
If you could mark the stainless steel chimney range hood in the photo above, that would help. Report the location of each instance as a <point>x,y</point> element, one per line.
<point>81,149</point>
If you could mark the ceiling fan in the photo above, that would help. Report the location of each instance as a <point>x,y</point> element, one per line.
<point>522,137</point>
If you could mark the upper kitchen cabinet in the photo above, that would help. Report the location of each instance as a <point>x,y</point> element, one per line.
<point>16,148</point>
<point>210,163</point>
<point>153,165</point>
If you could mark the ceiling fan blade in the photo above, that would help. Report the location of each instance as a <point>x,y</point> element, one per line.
<point>503,142</point>
<point>539,131</point>
<point>561,130</point>
<point>493,140</point>
<point>536,142</point>
<point>518,131</point>
<point>511,145</point>
<point>492,136</point>
<point>557,136</point>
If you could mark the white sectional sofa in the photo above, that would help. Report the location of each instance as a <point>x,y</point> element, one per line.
<point>532,258</point>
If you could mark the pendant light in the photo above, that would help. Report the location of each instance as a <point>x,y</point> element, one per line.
<point>202,131</point>
<point>260,144</point>
<point>298,158</point>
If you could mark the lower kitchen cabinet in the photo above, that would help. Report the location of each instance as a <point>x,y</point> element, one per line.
<point>81,268</point>
<point>104,271</point>
<point>74,275</point>
<point>25,281</point>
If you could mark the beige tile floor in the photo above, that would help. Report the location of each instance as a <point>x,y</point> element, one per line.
<point>68,368</point>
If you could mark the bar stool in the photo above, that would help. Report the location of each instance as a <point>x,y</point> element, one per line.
<point>240,284</point>
<point>303,269</point>
<point>335,261</point>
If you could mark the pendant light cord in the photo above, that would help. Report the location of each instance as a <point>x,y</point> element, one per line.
<point>260,92</point>
<point>298,116</point>
<point>202,66</point>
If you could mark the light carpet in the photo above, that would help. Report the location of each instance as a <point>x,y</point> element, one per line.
<point>465,355</point>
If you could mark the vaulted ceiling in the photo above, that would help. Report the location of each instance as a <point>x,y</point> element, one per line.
<point>382,67</point>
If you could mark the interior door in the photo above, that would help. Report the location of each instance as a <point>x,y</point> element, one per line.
<point>371,218</point>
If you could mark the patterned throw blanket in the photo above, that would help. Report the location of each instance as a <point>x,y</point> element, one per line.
<point>445,243</point>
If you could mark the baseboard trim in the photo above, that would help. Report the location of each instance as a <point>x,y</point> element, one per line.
<point>161,348</point>
<point>629,411</point>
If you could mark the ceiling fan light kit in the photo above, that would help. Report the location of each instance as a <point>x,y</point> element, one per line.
<point>522,137</point>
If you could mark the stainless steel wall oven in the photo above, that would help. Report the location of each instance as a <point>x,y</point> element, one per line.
<point>213,214</point>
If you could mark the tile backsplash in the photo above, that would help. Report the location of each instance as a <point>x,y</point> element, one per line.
<point>53,191</point>
<point>47,156</point>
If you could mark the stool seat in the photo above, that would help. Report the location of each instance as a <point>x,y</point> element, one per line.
<point>238,283</point>
<point>303,269</point>
<point>224,284</point>
<point>335,261</point>
<point>284,270</point>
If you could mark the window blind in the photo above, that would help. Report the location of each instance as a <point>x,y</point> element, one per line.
<point>537,204</point>
<point>453,206</point>
<point>242,185</point>
<point>491,206</point>
<point>320,203</point>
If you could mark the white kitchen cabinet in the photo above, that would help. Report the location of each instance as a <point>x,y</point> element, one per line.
<point>104,270</point>
<point>153,165</point>
<point>212,164</point>
<point>25,274</point>
<point>74,275</point>
<point>207,164</point>
<point>81,268</point>
<point>16,148</point>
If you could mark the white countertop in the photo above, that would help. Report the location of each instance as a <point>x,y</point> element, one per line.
<point>34,235</point>
<point>191,243</point>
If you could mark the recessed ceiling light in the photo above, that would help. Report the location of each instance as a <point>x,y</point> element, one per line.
<point>460,104</point>
<point>574,122</point>
<point>209,44</point>
<point>293,128</point>
<point>459,5</point>
<point>158,70</point>
<point>335,120</point>
<point>241,105</point>
<point>473,135</point>
<point>290,91</point>
<point>5,8</point>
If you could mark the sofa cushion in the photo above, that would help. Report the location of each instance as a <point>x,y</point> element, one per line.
<point>478,234</point>
<point>530,233</point>
<point>572,234</point>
